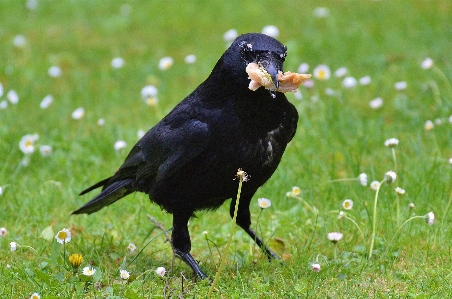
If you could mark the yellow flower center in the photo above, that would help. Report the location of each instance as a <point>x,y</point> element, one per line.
<point>322,74</point>
<point>62,235</point>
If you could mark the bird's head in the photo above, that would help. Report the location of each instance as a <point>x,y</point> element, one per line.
<point>262,49</point>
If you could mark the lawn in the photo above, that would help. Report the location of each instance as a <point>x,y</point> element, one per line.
<point>381,70</point>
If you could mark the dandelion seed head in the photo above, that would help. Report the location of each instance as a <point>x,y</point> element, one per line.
<point>160,271</point>
<point>264,203</point>
<point>242,175</point>
<point>347,204</point>
<point>335,237</point>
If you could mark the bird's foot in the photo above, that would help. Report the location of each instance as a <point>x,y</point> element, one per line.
<point>189,260</point>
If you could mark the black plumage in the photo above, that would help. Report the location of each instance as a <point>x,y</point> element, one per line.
<point>189,160</point>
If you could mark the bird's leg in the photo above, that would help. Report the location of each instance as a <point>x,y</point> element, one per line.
<point>244,221</point>
<point>180,240</point>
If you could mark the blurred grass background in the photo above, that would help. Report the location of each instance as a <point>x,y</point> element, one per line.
<point>338,137</point>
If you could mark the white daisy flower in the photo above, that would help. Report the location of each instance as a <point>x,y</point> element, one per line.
<point>349,82</point>
<point>298,95</point>
<point>427,63</point>
<point>101,122</point>
<point>26,143</point>
<point>140,133</point>
<point>13,246</point>
<point>149,94</point>
<point>376,103</point>
<point>335,237</point>
<point>341,72</point>
<point>329,92</point>
<point>399,191</point>
<point>19,41</point>
<point>363,179</point>
<point>428,126</point>
<point>341,215</point>
<point>12,97</point>
<point>375,185</point>
<point>3,104</point>
<point>365,80</point>
<point>46,101</point>
<point>3,232</point>
<point>392,142</point>
<point>390,176</point>
<point>429,218</point>
<point>55,71</point>
<point>165,63</point>
<point>321,12</point>
<point>78,113</point>
<point>117,63</point>
<point>303,68</point>
<point>190,59</point>
<point>131,247</point>
<point>271,30</point>
<point>450,118</point>
<point>160,271</point>
<point>32,4</point>
<point>347,204</point>
<point>402,85</point>
<point>322,72</point>
<point>309,84</point>
<point>315,267</point>
<point>411,205</point>
<point>1,89</point>
<point>124,274</point>
<point>1,190</point>
<point>264,203</point>
<point>35,296</point>
<point>230,35</point>
<point>63,236</point>
<point>46,150</point>
<point>120,144</point>
<point>450,161</point>
<point>88,271</point>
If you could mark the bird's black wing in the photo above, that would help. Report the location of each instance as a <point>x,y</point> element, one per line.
<point>160,153</point>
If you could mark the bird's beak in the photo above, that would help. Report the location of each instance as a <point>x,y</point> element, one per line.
<point>272,67</point>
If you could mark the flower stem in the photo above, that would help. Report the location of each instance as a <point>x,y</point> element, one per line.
<point>398,230</point>
<point>398,210</point>
<point>226,249</point>
<point>374,220</point>
<point>356,224</point>
<point>395,159</point>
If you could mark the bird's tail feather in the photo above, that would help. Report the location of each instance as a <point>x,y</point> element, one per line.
<point>109,195</point>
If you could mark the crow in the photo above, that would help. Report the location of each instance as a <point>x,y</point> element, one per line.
<point>188,161</point>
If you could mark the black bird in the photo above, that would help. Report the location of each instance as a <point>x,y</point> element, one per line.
<point>188,161</point>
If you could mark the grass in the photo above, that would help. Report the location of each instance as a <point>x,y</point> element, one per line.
<point>338,137</point>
